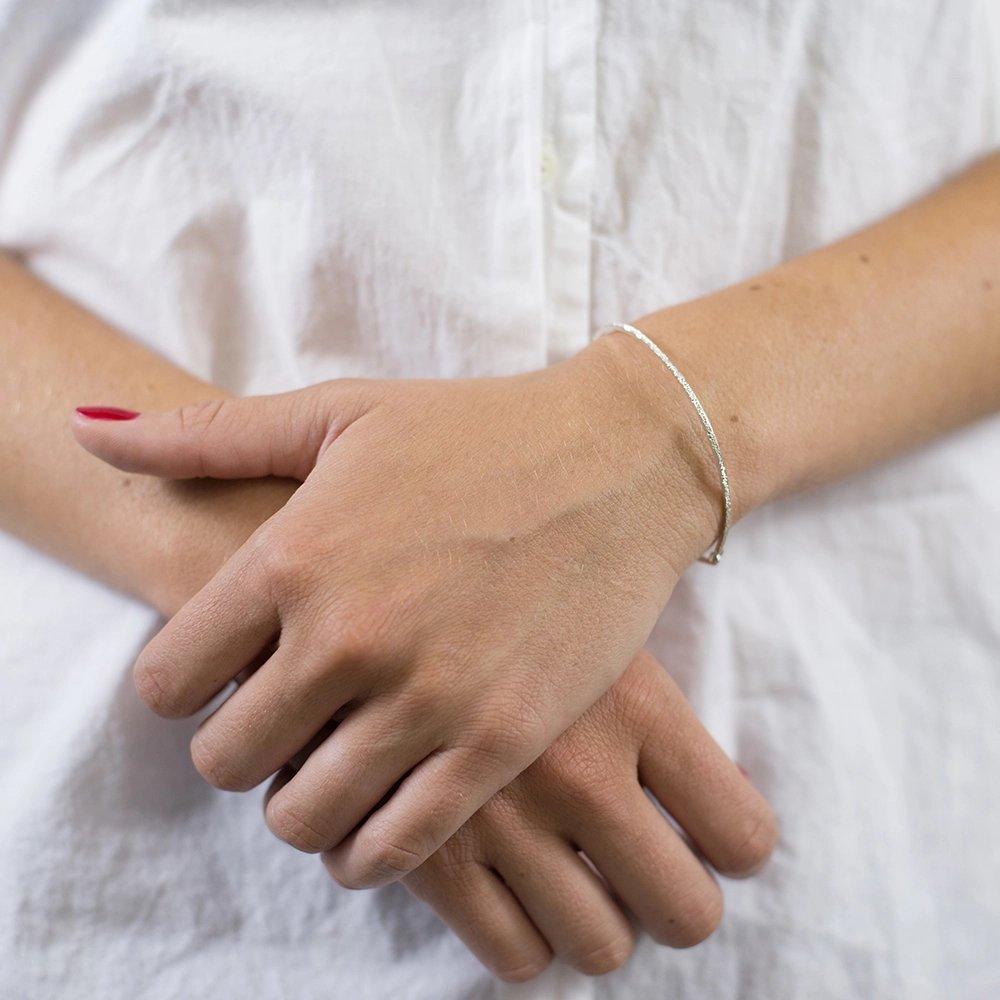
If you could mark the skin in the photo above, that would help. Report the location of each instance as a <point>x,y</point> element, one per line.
<point>510,881</point>
<point>162,541</point>
<point>459,625</point>
<point>156,540</point>
<point>483,603</point>
<point>833,362</point>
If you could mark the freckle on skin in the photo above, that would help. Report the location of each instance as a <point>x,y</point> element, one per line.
<point>734,419</point>
<point>863,257</point>
<point>126,482</point>
<point>987,286</point>
<point>756,288</point>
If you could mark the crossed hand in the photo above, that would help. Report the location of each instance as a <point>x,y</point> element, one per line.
<point>445,625</point>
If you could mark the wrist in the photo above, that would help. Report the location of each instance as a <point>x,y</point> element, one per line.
<point>648,417</point>
<point>703,339</point>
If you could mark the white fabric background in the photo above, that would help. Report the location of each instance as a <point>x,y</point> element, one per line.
<point>272,194</point>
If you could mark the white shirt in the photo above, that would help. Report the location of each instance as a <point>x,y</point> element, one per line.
<point>275,194</point>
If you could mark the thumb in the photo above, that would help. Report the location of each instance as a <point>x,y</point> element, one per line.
<point>281,435</point>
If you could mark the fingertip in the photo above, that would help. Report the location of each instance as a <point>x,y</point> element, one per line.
<point>101,431</point>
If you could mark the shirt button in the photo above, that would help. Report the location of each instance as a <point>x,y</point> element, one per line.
<point>549,164</point>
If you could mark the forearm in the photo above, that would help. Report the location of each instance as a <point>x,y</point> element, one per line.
<point>811,371</point>
<point>844,357</point>
<point>157,540</point>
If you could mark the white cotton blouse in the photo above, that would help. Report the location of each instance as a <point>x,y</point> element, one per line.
<point>276,193</point>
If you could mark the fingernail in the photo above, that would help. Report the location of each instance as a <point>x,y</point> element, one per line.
<point>106,413</point>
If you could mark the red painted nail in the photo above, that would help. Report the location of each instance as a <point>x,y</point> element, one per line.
<point>106,413</point>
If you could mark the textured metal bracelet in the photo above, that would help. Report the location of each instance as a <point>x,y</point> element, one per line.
<point>727,506</point>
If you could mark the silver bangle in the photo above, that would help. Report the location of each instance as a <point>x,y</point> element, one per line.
<point>715,555</point>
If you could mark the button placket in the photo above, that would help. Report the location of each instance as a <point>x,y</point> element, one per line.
<point>566,171</point>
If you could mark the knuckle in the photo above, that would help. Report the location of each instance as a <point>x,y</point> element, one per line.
<point>378,626</point>
<point>604,957</point>
<point>283,559</point>
<point>359,635</point>
<point>195,420</point>
<point>520,971</point>
<point>344,878</point>
<point>457,866</point>
<point>506,812</point>
<point>693,922</point>
<point>591,783</point>
<point>755,845</point>
<point>152,683</point>
<point>217,767</point>
<point>646,700</point>
<point>387,860</point>
<point>493,747</point>
<point>457,856</point>
<point>294,825</point>
<point>635,685</point>
<point>199,415</point>
<point>498,742</point>
<point>421,700</point>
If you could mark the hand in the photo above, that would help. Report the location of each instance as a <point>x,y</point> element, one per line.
<point>642,719</point>
<point>512,884</point>
<point>467,567</point>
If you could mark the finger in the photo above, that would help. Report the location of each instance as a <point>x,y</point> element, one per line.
<point>209,642</point>
<point>698,784</point>
<point>566,901</point>
<point>272,717</point>
<point>652,870</point>
<point>347,776</point>
<point>484,913</point>
<point>279,781</point>
<point>427,808</point>
<point>279,435</point>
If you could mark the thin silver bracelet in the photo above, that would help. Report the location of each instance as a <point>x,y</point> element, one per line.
<point>715,555</point>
